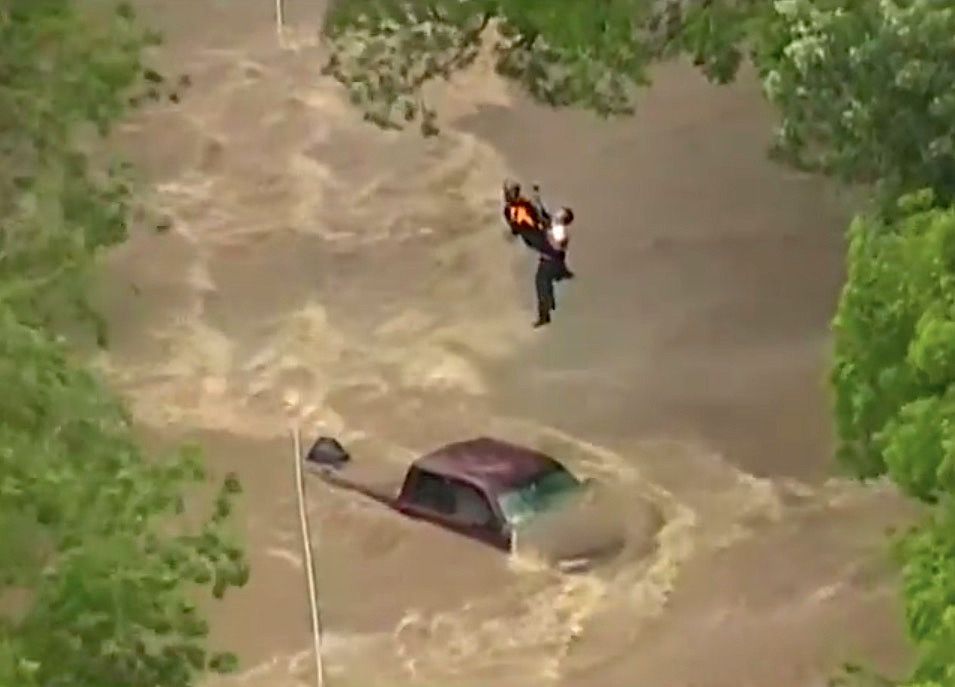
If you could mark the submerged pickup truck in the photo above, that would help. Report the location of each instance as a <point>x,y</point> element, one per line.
<point>483,488</point>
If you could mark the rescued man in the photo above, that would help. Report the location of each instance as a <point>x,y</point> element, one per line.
<point>551,266</point>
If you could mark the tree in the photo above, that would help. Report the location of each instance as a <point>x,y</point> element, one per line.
<point>894,383</point>
<point>563,52</point>
<point>97,572</point>
<point>864,93</point>
<point>894,365</point>
<point>89,533</point>
<point>863,88</point>
<point>63,74</point>
<point>927,556</point>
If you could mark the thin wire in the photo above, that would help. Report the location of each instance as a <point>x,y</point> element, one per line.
<point>309,561</point>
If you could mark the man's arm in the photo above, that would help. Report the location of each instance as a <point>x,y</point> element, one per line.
<point>539,205</point>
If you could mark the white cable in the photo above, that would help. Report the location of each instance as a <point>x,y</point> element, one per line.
<point>309,561</point>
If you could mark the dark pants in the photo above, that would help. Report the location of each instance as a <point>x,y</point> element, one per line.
<point>548,272</point>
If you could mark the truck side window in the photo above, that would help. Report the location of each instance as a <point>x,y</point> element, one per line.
<point>470,506</point>
<point>432,492</point>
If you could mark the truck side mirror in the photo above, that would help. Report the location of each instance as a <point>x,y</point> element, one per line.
<point>327,452</point>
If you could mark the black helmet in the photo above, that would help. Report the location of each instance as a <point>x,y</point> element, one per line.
<point>512,189</point>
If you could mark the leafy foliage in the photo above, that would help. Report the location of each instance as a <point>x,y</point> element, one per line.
<point>864,93</point>
<point>863,88</point>
<point>928,573</point>
<point>894,372</point>
<point>98,565</point>
<point>563,52</point>
<point>894,383</point>
<point>64,74</point>
<point>105,568</point>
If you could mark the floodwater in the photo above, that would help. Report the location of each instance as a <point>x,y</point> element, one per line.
<point>323,274</point>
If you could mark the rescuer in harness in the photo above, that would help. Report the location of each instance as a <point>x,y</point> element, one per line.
<point>526,218</point>
<point>547,235</point>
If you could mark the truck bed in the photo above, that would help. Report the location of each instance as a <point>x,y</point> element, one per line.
<point>374,482</point>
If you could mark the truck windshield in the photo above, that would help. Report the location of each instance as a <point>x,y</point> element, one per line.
<point>538,495</point>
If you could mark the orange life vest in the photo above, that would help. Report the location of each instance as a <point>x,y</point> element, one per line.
<point>521,214</point>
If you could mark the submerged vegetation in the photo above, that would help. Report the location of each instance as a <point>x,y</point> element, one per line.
<point>98,571</point>
<point>865,93</point>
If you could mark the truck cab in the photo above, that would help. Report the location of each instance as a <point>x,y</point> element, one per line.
<point>455,504</point>
<point>483,488</point>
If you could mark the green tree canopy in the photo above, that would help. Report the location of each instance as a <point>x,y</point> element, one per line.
<point>894,384</point>
<point>894,372</point>
<point>65,76</point>
<point>864,89</point>
<point>563,52</point>
<point>97,572</point>
<point>88,534</point>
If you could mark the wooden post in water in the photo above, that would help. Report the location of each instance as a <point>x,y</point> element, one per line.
<point>309,561</point>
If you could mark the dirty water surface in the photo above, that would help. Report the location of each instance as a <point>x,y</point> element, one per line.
<point>322,274</point>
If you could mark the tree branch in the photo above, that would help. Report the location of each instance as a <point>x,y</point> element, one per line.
<point>469,38</point>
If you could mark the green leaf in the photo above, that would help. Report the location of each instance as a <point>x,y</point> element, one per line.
<point>224,663</point>
<point>125,11</point>
<point>232,484</point>
<point>152,76</point>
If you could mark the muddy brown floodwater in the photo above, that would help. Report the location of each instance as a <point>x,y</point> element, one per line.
<point>355,282</point>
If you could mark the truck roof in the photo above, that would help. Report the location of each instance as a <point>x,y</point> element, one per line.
<point>490,463</point>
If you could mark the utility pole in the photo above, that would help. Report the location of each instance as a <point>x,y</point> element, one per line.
<point>279,17</point>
